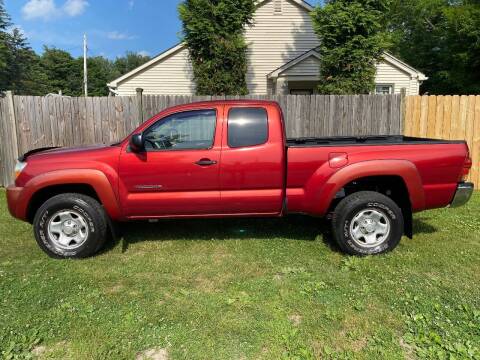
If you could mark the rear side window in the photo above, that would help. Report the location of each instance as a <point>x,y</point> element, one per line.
<point>247,127</point>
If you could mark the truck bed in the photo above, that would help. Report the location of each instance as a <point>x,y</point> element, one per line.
<point>436,163</point>
<point>365,140</point>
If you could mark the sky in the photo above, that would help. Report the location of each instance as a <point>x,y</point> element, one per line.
<point>112,26</point>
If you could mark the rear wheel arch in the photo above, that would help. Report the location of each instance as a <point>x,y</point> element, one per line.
<point>323,193</point>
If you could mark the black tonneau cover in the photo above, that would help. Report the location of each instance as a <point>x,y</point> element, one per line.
<point>365,140</point>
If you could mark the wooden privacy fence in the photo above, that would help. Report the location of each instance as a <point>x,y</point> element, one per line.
<point>29,122</point>
<point>447,117</point>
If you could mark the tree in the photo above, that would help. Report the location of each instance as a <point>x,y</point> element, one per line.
<point>127,63</point>
<point>100,72</point>
<point>64,73</point>
<point>213,31</point>
<point>4,47</point>
<point>442,39</point>
<point>352,36</point>
<point>24,77</point>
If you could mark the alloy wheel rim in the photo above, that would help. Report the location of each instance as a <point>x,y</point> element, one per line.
<point>67,229</point>
<point>370,228</point>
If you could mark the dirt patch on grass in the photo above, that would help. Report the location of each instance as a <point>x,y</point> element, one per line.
<point>295,319</point>
<point>408,351</point>
<point>114,289</point>
<point>359,344</point>
<point>153,354</point>
<point>39,350</point>
<point>44,352</point>
<point>204,284</point>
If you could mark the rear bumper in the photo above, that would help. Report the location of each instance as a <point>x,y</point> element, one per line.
<point>13,197</point>
<point>462,195</point>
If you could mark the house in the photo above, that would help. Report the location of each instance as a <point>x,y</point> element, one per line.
<point>281,60</point>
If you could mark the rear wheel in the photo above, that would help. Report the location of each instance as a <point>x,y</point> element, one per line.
<point>70,226</point>
<point>367,223</point>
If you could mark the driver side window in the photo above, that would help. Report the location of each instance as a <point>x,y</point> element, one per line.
<point>187,130</point>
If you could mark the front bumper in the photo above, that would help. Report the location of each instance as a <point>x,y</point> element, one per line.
<point>13,198</point>
<point>462,195</point>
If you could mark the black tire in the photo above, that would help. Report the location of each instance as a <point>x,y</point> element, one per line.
<point>88,214</point>
<point>368,203</point>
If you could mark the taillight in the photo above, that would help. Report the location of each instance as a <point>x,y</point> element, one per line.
<point>467,165</point>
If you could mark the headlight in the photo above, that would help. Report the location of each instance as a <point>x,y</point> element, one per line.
<point>19,166</point>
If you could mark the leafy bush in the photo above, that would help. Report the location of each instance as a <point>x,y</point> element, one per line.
<point>213,31</point>
<point>352,37</point>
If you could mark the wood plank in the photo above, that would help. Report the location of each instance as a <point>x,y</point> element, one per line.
<point>431,117</point>
<point>438,126</point>
<point>455,119</point>
<point>10,148</point>
<point>384,117</point>
<point>120,120</point>
<point>423,116</point>
<point>76,121</point>
<point>69,134</point>
<point>61,127</point>
<point>408,126</point>
<point>45,119</point>
<point>82,120</point>
<point>21,125</point>
<point>475,145</point>
<point>366,114</point>
<point>90,120</point>
<point>469,126</point>
<point>416,115</point>
<point>104,109</point>
<point>98,114</point>
<point>6,144</point>
<point>447,117</point>
<point>462,120</point>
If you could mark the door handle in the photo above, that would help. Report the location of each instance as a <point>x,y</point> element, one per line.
<point>205,162</point>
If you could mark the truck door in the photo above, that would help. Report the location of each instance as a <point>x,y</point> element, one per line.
<point>253,160</point>
<point>178,173</point>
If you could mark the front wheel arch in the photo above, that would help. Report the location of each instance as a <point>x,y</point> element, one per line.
<point>43,194</point>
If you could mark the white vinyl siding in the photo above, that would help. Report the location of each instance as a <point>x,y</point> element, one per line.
<point>307,67</point>
<point>276,39</point>
<point>169,76</point>
<point>391,75</point>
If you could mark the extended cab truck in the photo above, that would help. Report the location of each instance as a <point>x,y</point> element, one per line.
<point>231,159</point>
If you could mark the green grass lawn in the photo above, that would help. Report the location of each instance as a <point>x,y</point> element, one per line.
<point>245,289</point>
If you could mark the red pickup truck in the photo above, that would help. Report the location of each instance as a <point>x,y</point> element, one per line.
<point>231,159</point>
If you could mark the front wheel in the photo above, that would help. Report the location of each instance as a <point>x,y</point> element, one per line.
<point>367,223</point>
<point>70,226</point>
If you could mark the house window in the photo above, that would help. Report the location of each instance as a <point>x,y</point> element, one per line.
<point>383,89</point>
<point>277,7</point>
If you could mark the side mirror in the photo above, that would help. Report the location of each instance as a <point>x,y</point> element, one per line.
<point>136,143</point>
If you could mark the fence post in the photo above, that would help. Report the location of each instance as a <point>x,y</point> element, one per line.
<point>140,104</point>
<point>12,122</point>
<point>403,109</point>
